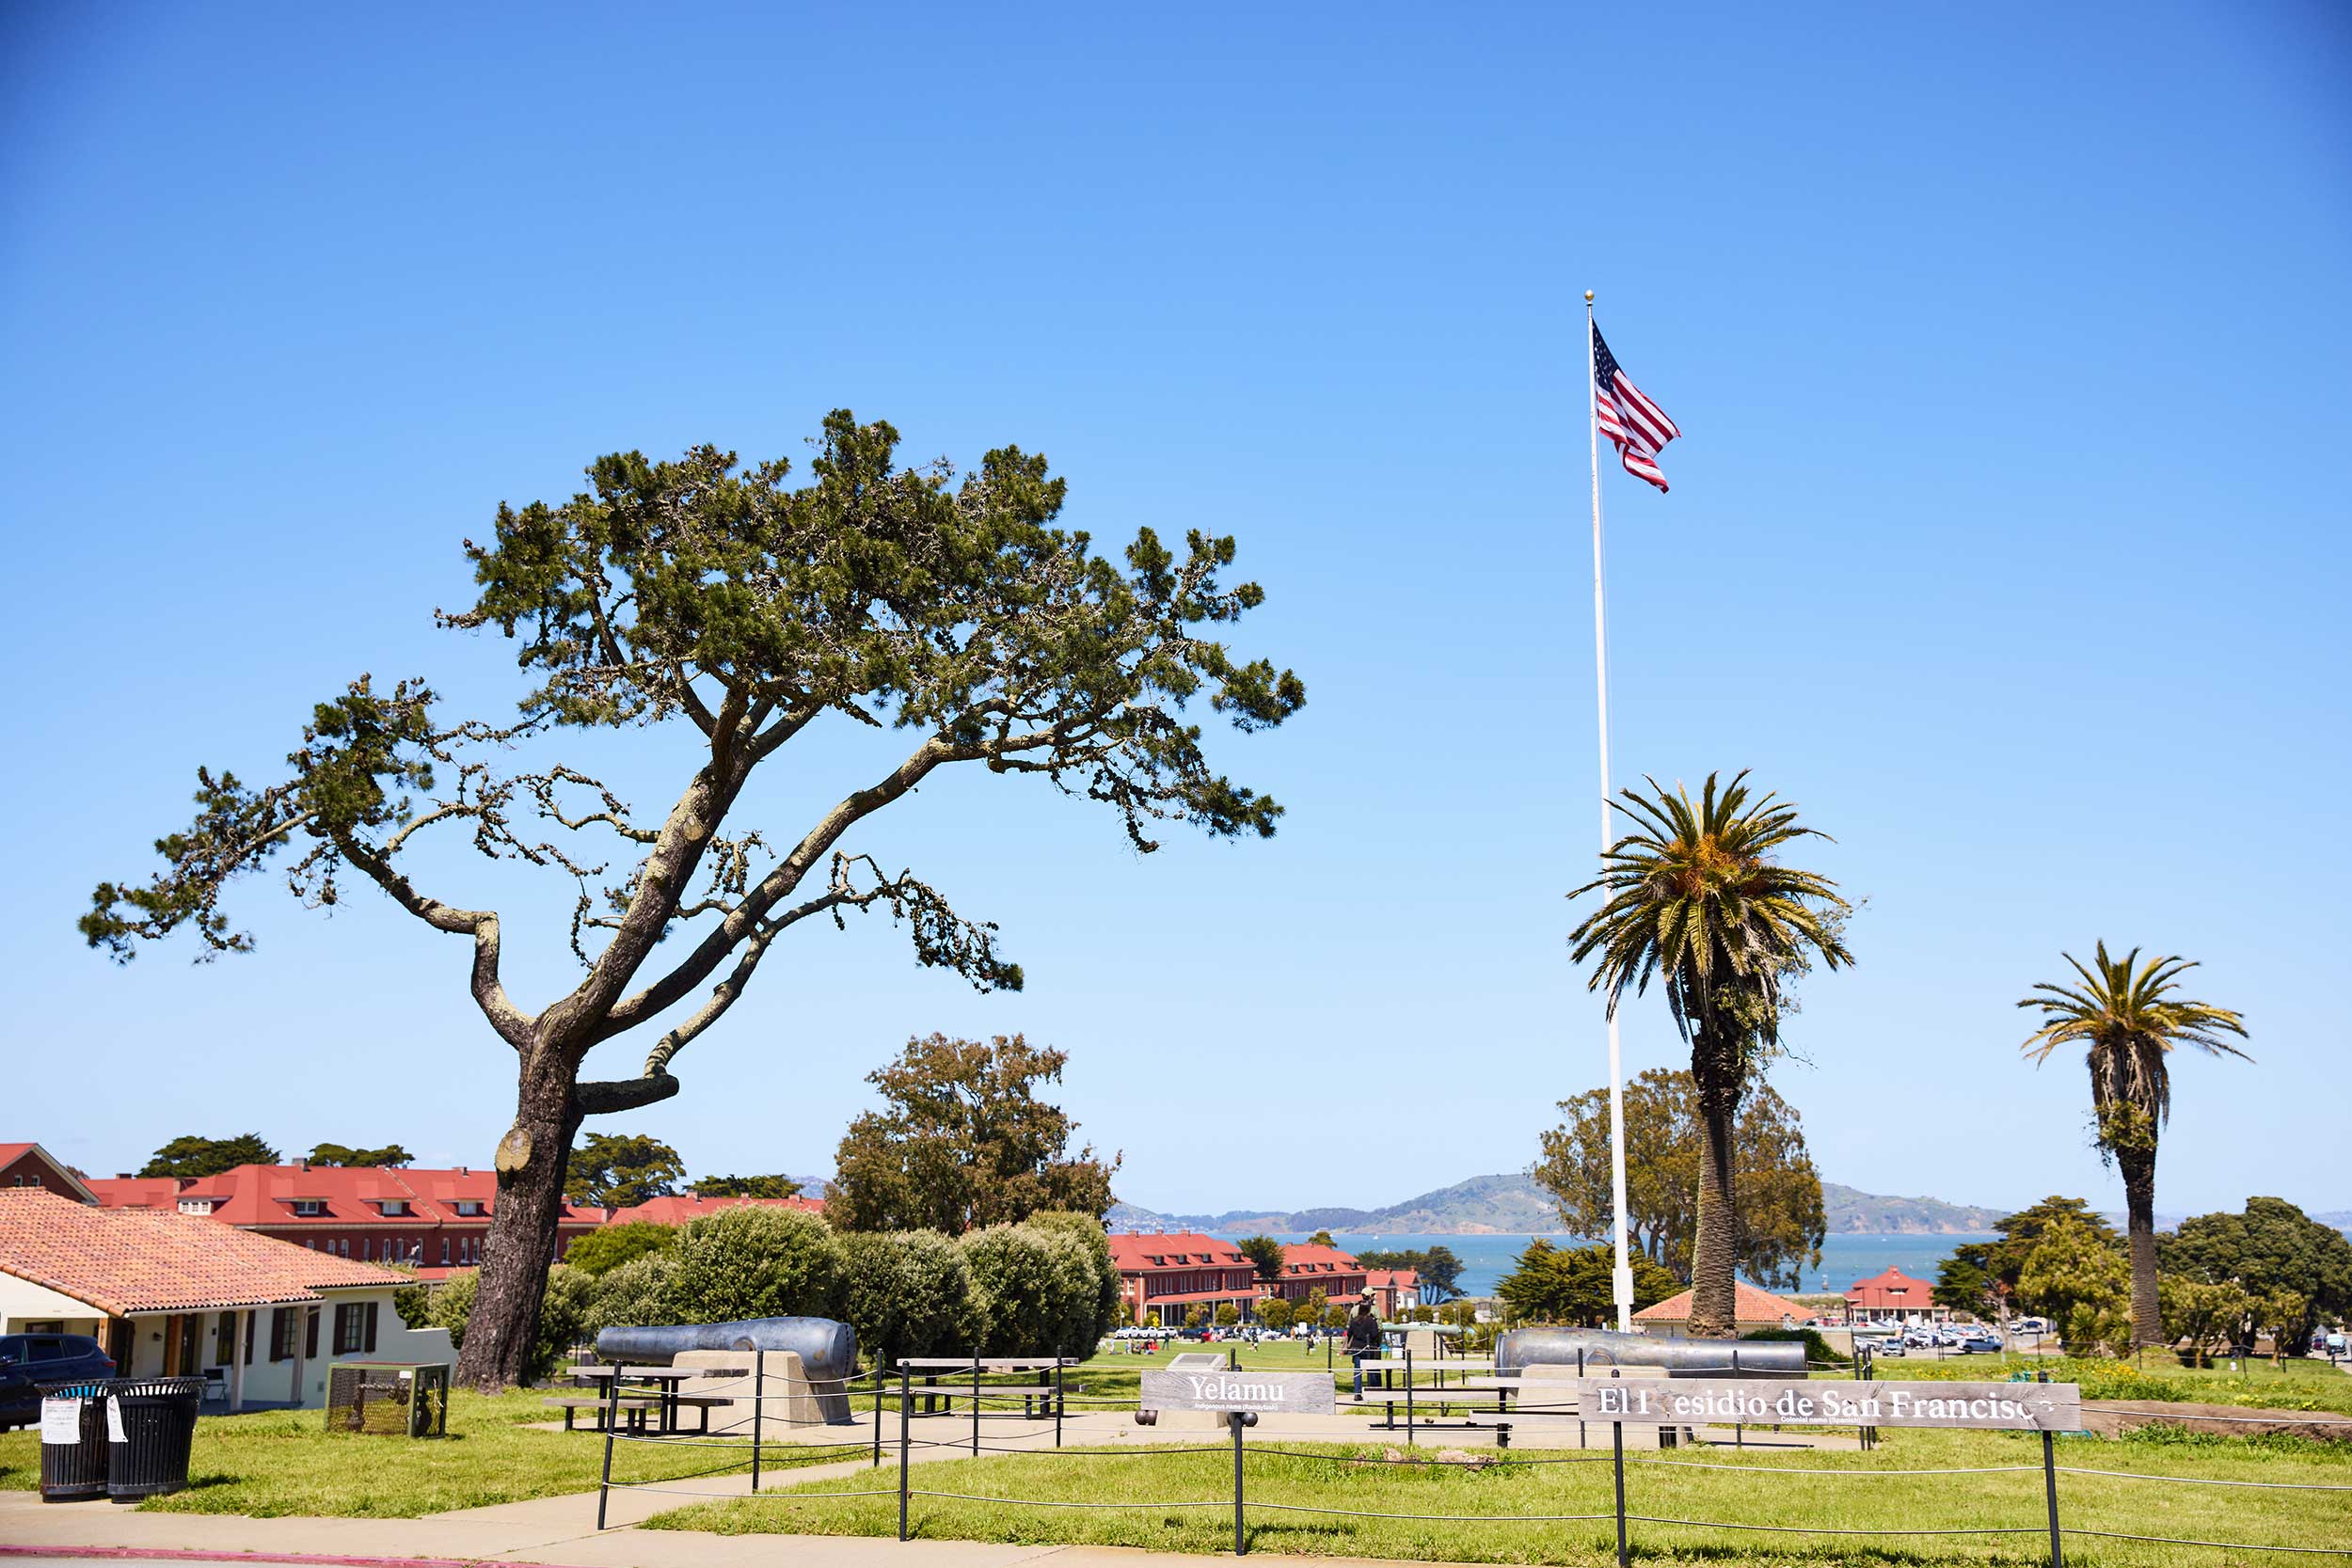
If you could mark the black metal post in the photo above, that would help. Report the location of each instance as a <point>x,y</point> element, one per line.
<point>2049,1486</point>
<point>1061,1396</point>
<point>1409,1396</point>
<point>975,1404</point>
<point>1738,1428</point>
<point>878,1398</point>
<point>759,1406</point>
<point>1241,1542</point>
<point>611,1421</point>
<point>906,1399</point>
<point>1580,1399</point>
<point>1625,1557</point>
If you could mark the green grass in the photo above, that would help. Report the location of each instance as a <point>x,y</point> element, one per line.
<point>2294,1385</point>
<point>286,1463</point>
<point>1141,1484</point>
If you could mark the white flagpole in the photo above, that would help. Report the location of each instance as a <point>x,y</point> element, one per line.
<point>1623,1275</point>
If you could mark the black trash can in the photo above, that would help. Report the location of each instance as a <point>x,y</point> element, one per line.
<point>73,1441</point>
<point>149,1423</point>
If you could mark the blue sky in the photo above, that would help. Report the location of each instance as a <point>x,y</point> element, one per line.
<point>2006,536</point>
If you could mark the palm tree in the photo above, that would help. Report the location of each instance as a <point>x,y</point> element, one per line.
<point>2127,1020</point>
<point>1696,899</point>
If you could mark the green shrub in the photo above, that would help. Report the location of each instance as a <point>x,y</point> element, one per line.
<point>1108,1309</point>
<point>636,1293</point>
<point>600,1252</point>
<point>565,1314</point>
<point>1040,1288</point>
<point>754,1262</point>
<point>911,1293</point>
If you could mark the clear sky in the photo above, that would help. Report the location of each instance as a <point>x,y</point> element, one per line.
<point>2007,534</point>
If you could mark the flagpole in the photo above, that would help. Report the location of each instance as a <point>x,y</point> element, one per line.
<point>1622,1276</point>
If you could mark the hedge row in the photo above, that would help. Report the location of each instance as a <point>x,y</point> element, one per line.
<point>1045,1287</point>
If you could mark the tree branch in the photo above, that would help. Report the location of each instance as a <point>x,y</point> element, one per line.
<point>513,1025</point>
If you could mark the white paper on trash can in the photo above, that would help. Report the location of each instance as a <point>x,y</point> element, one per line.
<point>114,1421</point>
<point>61,1421</point>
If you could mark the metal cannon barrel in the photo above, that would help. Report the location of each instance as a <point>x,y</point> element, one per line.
<point>828,1349</point>
<point>1521,1348</point>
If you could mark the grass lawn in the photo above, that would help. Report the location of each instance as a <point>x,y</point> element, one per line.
<point>1139,1486</point>
<point>2293,1384</point>
<point>285,1462</point>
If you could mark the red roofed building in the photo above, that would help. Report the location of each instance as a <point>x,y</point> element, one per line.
<point>1755,1309</point>
<point>1308,1267</point>
<point>1163,1275</point>
<point>434,1219</point>
<point>679,1209</point>
<point>1395,1292</point>
<point>31,1165</point>
<point>172,1294</point>
<point>1894,1297</point>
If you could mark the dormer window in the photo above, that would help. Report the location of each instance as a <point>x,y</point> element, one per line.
<point>310,1208</point>
<point>395,1208</point>
<point>470,1207</point>
<point>196,1206</point>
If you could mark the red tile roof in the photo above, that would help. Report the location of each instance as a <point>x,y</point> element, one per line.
<point>1892,1288</point>
<point>1134,1251</point>
<point>352,1195</point>
<point>125,1260</point>
<point>689,1206</point>
<point>1754,1307</point>
<point>1307,1260</point>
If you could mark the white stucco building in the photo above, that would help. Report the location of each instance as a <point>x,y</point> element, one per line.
<point>170,1294</point>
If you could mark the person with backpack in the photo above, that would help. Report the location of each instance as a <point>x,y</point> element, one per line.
<point>1364,1338</point>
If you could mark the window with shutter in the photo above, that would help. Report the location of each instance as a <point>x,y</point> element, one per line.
<point>248,1338</point>
<point>281,1333</point>
<point>310,1334</point>
<point>371,1345</point>
<point>224,1340</point>
<point>342,1328</point>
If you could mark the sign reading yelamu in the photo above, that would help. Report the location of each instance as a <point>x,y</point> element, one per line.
<point>1302,1393</point>
<point>1690,1401</point>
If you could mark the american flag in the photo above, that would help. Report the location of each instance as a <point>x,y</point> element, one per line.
<point>1638,427</point>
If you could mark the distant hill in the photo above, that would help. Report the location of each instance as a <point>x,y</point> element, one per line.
<point>1482,1205</point>
<point>1849,1213</point>
<point>1512,1204</point>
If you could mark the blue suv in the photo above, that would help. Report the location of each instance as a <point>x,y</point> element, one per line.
<point>29,1360</point>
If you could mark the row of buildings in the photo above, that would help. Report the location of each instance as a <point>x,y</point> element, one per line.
<point>1164,1275</point>
<point>432,1221</point>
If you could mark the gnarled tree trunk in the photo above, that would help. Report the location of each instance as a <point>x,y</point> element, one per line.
<point>2139,1205</point>
<point>531,1160</point>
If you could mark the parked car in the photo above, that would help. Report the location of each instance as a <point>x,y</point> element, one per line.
<point>1889,1347</point>
<point>1979,1344</point>
<point>29,1360</point>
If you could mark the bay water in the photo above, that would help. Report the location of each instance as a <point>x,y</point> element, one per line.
<point>1845,1259</point>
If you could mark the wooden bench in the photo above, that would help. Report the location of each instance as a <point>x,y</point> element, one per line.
<point>636,1405</point>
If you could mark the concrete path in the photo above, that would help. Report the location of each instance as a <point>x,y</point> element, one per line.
<point>563,1530</point>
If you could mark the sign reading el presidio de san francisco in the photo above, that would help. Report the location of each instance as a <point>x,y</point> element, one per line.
<point>1723,1401</point>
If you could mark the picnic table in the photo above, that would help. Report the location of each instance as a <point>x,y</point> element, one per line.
<point>660,1395</point>
<point>1037,1399</point>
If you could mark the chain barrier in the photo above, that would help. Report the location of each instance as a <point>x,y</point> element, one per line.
<point>976,1393</point>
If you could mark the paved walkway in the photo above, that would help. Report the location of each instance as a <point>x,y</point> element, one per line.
<point>563,1530</point>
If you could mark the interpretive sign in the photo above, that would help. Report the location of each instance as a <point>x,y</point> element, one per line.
<point>1275,1393</point>
<point>1694,1401</point>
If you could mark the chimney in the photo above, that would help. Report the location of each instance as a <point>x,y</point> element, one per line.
<point>123,1175</point>
<point>302,1165</point>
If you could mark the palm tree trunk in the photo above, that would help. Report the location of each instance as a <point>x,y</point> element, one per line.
<point>1714,1248</point>
<point>2139,1206</point>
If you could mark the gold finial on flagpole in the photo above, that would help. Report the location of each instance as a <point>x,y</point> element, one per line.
<point>1588,296</point>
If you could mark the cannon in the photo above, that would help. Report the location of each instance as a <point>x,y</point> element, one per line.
<point>1521,1348</point>
<point>828,1349</point>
